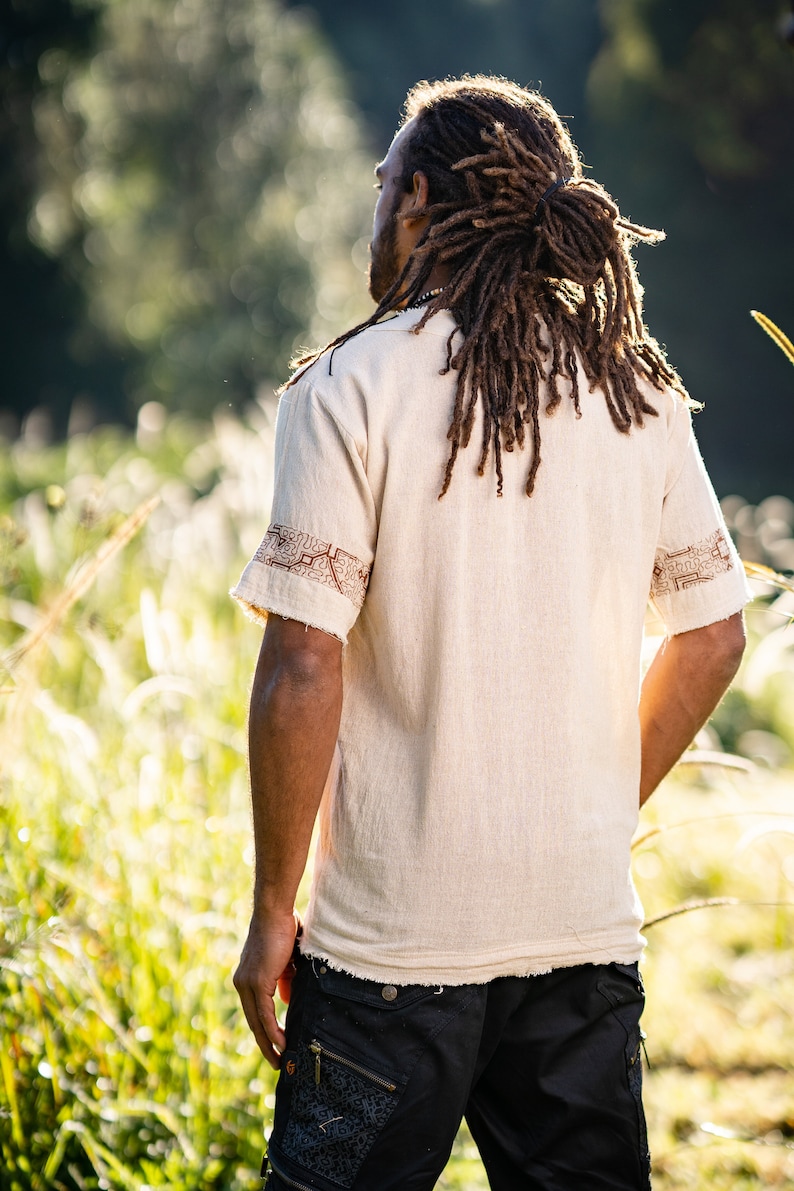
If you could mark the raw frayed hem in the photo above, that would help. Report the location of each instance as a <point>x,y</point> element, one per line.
<point>262,615</point>
<point>404,980</point>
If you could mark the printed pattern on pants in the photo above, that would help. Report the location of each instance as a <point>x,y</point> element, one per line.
<point>333,1123</point>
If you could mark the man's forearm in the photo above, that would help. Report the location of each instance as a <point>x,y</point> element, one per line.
<point>685,682</point>
<point>296,703</point>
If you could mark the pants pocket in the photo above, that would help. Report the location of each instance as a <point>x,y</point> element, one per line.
<point>337,1109</point>
<point>353,1046</point>
<point>622,987</point>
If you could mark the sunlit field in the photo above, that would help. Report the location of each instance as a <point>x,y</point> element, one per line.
<point>124,818</point>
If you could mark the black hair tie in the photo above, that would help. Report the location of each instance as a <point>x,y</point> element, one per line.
<point>547,195</point>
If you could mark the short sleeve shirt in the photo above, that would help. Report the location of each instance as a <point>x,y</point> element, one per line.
<point>479,818</point>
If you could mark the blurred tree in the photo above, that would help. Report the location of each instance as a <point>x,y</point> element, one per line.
<point>684,112</point>
<point>715,73</point>
<point>204,179</point>
<point>692,125</point>
<point>40,305</point>
<point>205,183</point>
<point>387,48</point>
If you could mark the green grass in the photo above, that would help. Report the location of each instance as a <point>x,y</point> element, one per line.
<point>124,824</point>
<point>720,983</point>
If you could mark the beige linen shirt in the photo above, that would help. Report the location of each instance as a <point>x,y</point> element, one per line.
<point>479,817</point>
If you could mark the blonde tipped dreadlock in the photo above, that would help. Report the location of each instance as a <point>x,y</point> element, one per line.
<point>540,265</point>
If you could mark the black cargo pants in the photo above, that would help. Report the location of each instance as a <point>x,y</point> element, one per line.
<point>546,1070</point>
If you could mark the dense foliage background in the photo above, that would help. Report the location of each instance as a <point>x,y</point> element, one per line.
<point>185,187</point>
<point>125,1062</point>
<point>184,197</point>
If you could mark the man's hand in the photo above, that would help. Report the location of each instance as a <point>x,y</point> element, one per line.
<point>266,963</point>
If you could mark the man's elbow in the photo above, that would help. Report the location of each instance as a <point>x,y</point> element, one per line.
<point>730,638</point>
<point>296,663</point>
<point>722,645</point>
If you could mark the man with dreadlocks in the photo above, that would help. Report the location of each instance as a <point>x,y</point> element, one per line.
<point>450,674</point>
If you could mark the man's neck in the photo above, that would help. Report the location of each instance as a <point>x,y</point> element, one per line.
<point>436,282</point>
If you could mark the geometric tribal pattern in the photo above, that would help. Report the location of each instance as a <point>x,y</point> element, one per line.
<point>294,550</point>
<point>678,569</point>
<point>333,1125</point>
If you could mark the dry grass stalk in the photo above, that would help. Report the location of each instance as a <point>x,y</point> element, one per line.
<point>662,828</point>
<point>80,583</point>
<point>706,903</point>
<point>701,903</point>
<point>774,332</point>
<point>757,570</point>
<point>714,757</point>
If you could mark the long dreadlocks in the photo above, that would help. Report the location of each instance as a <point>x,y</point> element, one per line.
<point>540,266</point>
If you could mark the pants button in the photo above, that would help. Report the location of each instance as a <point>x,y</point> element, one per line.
<point>388,992</point>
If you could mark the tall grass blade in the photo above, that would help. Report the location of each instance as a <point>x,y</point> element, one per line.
<point>81,582</point>
<point>714,757</point>
<point>774,332</point>
<point>712,1130</point>
<point>663,828</point>
<point>57,1153</point>
<point>706,903</point>
<point>166,1116</point>
<point>701,903</point>
<point>756,570</point>
<point>11,1094</point>
<point>103,1161</point>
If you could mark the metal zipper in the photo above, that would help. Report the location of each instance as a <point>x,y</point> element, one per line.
<point>288,1181</point>
<point>318,1051</point>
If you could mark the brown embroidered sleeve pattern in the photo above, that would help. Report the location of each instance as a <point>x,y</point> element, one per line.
<point>302,554</point>
<point>675,570</point>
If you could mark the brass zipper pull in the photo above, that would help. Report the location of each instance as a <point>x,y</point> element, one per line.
<point>316,1050</point>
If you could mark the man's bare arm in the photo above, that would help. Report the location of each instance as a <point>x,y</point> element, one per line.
<point>685,682</point>
<point>296,703</point>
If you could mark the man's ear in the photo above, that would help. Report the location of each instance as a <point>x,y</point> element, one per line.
<point>415,209</point>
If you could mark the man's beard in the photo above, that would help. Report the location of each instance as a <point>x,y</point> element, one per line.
<point>384,265</point>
